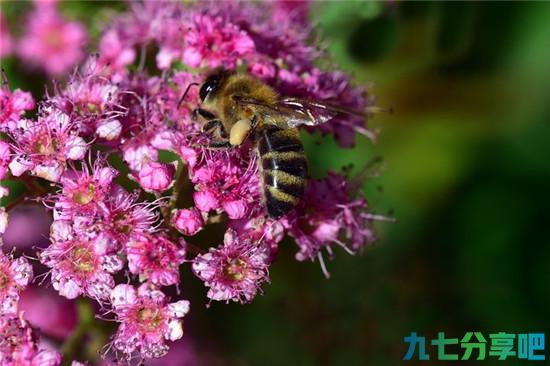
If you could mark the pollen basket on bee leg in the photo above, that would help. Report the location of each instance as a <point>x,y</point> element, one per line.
<point>239,131</point>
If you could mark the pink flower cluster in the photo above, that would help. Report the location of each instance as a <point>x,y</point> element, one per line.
<point>119,149</point>
<point>147,320</point>
<point>18,345</point>
<point>15,275</point>
<point>50,42</point>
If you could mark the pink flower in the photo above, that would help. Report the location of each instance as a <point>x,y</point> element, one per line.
<point>80,262</point>
<point>44,146</point>
<point>114,53</point>
<point>15,275</point>
<point>155,258</point>
<point>212,42</point>
<point>260,229</point>
<point>137,156</point>
<point>327,212</point>
<point>188,155</point>
<point>52,42</point>
<point>263,70</point>
<point>286,11</point>
<point>168,99</point>
<point>5,158</point>
<point>18,344</point>
<point>206,200</point>
<point>335,87</point>
<point>12,105</point>
<point>93,102</point>
<point>156,177</point>
<point>82,192</point>
<point>235,270</point>
<point>188,221</point>
<point>146,319</point>
<point>168,29</point>
<point>6,44</point>
<point>123,217</point>
<point>235,209</point>
<point>227,180</point>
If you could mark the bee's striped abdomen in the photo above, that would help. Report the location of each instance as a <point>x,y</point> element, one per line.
<point>284,168</point>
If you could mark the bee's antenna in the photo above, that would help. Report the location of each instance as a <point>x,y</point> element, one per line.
<point>185,93</point>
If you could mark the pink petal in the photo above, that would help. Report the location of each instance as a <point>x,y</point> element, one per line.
<point>192,57</point>
<point>122,296</point>
<point>18,166</point>
<point>68,288</point>
<point>179,309</point>
<point>60,230</point>
<point>4,191</point>
<point>150,291</point>
<point>105,176</point>
<point>76,148</point>
<point>235,209</point>
<point>205,201</point>
<point>3,220</point>
<point>165,57</point>
<point>22,271</point>
<point>175,330</point>
<point>46,358</point>
<point>22,100</point>
<point>52,173</point>
<point>188,155</point>
<point>138,155</point>
<point>109,130</point>
<point>163,140</point>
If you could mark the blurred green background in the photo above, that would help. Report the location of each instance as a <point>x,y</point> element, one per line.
<point>466,174</point>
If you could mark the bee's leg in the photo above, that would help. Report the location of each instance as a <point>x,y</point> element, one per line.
<point>219,145</point>
<point>220,138</point>
<point>203,114</point>
<point>216,144</point>
<point>254,122</point>
<point>210,123</point>
<point>213,126</point>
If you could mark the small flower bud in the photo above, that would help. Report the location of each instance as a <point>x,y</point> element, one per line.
<point>235,209</point>
<point>206,200</point>
<point>156,177</point>
<point>188,221</point>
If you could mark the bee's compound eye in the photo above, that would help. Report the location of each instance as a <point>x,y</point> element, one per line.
<point>209,86</point>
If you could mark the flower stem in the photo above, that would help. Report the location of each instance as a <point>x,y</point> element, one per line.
<point>33,186</point>
<point>73,344</point>
<point>182,173</point>
<point>15,202</point>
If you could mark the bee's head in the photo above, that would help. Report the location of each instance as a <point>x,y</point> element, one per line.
<point>212,84</point>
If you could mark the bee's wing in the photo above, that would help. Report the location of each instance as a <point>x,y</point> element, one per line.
<point>296,112</point>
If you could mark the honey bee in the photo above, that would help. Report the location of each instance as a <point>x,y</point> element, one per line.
<point>236,106</point>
